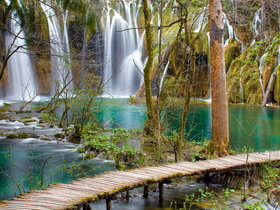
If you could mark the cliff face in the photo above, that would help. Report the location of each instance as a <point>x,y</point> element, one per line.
<point>41,50</point>
<point>248,73</point>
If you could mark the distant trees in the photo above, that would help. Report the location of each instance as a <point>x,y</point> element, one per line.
<point>220,129</point>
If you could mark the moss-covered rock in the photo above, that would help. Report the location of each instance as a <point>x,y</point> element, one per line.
<point>277,85</point>
<point>269,66</point>
<point>243,79</point>
<point>18,136</point>
<point>232,51</point>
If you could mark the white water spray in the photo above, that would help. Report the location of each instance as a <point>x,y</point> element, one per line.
<point>262,60</point>
<point>200,21</point>
<point>60,50</point>
<point>163,76</point>
<point>257,23</point>
<point>21,84</point>
<point>123,59</point>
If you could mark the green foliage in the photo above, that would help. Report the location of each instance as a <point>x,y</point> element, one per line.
<point>92,125</point>
<point>228,192</point>
<point>247,150</point>
<point>110,148</point>
<point>120,135</point>
<point>202,195</point>
<point>48,118</point>
<point>81,150</point>
<point>270,176</point>
<point>255,206</point>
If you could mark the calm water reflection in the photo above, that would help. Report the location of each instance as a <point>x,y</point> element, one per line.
<point>254,127</point>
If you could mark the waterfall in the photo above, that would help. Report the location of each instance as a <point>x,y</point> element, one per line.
<point>257,23</point>
<point>163,76</point>
<point>261,71</point>
<point>231,34</point>
<point>21,84</point>
<point>200,20</point>
<point>123,58</point>
<point>60,50</point>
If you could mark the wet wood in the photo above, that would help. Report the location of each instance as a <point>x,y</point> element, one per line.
<point>109,203</point>
<point>146,191</point>
<point>160,190</point>
<point>86,206</point>
<point>83,191</point>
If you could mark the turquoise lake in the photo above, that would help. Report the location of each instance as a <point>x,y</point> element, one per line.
<point>254,127</point>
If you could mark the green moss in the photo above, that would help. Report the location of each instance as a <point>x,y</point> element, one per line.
<point>23,135</point>
<point>277,85</point>
<point>81,150</point>
<point>17,135</point>
<point>89,156</point>
<point>12,136</point>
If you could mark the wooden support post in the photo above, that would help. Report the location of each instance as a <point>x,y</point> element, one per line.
<point>160,189</point>
<point>207,178</point>
<point>146,191</point>
<point>109,203</point>
<point>127,195</point>
<point>86,206</point>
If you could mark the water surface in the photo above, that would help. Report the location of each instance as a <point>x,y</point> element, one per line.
<point>36,163</point>
<point>250,126</point>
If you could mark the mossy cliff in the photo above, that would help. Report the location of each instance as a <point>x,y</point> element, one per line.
<point>246,75</point>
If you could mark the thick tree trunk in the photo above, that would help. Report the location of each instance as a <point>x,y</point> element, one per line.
<point>220,130</point>
<point>149,127</point>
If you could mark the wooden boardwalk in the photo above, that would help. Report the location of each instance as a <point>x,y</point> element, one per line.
<point>83,191</point>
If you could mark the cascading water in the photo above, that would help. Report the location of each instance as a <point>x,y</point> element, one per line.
<point>200,21</point>
<point>21,85</point>
<point>163,76</point>
<point>257,23</point>
<point>60,52</point>
<point>123,59</point>
<point>262,60</point>
<point>231,32</point>
<point>229,29</point>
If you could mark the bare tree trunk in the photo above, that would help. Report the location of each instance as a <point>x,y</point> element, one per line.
<point>220,129</point>
<point>149,127</point>
<point>269,88</point>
